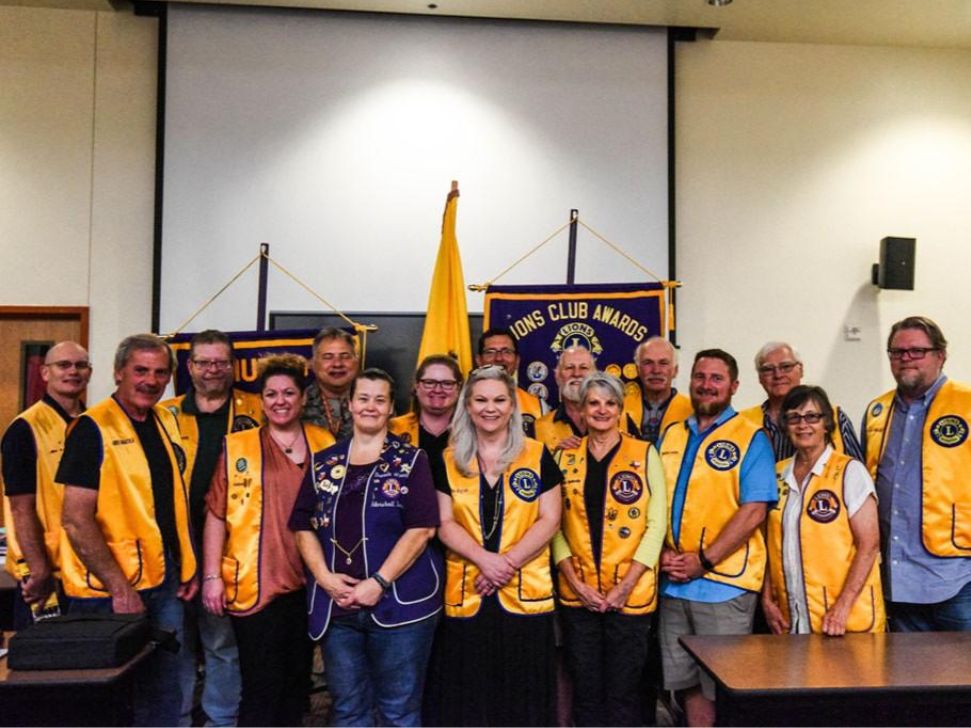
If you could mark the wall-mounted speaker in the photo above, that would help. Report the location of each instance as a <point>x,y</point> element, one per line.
<point>896,267</point>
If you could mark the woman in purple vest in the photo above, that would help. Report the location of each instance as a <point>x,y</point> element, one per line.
<point>364,517</point>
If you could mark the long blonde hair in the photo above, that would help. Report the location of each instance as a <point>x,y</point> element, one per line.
<point>463,438</point>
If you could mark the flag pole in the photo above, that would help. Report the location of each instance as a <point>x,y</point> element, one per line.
<point>261,293</point>
<point>571,257</point>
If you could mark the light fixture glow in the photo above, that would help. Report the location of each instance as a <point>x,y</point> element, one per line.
<point>719,3</point>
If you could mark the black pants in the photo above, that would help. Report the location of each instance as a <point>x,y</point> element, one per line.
<point>275,659</point>
<point>606,654</point>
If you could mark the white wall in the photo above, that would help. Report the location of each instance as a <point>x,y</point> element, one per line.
<point>793,162</point>
<point>77,130</point>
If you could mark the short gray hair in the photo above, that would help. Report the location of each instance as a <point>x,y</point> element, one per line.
<point>604,381</point>
<point>651,340</point>
<point>771,346</point>
<point>141,342</point>
<point>463,438</point>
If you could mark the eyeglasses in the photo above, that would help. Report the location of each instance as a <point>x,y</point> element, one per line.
<point>810,418</point>
<point>915,353</point>
<point>505,351</point>
<point>783,368</point>
<point>220,365</point>
<point>446,385</point>
<point>343,356</point>
<point>64,365</point>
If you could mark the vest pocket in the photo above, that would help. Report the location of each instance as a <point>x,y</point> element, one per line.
<point>455,573</point>
<point>642,595</point>
<point>961,526</point>
<point>537,584</point>
<point>863,613</point>
<point>565,591</point>
<point>733,565</point>
<point>230,574</point>
<point>128,555</point>
<point>412,587</point>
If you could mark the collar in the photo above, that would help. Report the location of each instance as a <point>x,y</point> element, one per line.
<point>662,405</point>
<point>55,405</point>
<point>925,399</point>
<point>190,407</point>
<point>788,473</point>
<point>726,414</point>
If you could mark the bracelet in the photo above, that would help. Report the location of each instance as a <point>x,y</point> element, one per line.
<point>210,577</point>
<point>384,583</point>
<point>705,563</point>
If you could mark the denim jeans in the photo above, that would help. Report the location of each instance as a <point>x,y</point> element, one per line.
<point>158,695</point>
<point>951,615</point>
<point>212,636</point>
<point>376,674</point>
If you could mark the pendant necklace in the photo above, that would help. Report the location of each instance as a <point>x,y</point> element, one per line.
<point>288,449</point>
<point>348,554</point>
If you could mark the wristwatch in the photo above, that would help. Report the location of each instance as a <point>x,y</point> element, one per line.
<point>384,583</point>
<point>705,563</point>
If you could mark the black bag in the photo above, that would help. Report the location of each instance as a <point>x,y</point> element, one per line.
<point>79,641</point>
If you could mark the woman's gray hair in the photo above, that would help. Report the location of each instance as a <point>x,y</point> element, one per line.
<point>602,380</point>
<point>463,439</point>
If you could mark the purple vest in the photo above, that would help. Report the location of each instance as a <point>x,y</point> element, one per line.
<point>416,594</point>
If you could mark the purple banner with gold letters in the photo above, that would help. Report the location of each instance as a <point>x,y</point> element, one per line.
<point>609,319</point>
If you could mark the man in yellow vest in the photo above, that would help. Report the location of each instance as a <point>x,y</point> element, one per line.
<point>498,346</point>
<point>654,403</point>
<point>562,428</point>
<point>127,545</point>
<point>207,412</point>
<point>335,363</point>
<point>721,479</point>
<point>919,454</point>
<point>32,448</point>
<point>780,369</point>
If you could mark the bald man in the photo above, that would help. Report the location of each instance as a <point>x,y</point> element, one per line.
<point>32,448</point>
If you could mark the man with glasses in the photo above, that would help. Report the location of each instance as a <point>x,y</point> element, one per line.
<point>32,447</point>
<point>562,428</point>
<point>498,346</point>
<point>655,403</point>
<point>335,364</point>
<point>780,370</point>
<point>211,409</point>
<point>919,454</point>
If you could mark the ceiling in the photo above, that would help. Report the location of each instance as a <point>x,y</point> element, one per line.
<point>928,23</point>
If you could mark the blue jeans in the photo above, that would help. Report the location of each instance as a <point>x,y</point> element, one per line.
<point>951,615</point>
<point>376,675</point>
<point>158,695</point>
<point>214,637</point>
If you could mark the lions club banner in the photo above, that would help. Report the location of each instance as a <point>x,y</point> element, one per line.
<point>609,319</point>
<point>250,346</point>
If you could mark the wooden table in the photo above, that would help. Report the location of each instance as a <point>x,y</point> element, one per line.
<point>68,697</point>
<point>860,679</point>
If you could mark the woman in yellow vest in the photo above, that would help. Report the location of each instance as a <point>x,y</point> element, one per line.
<point>607,549</point>
<point>823,536</point>
<point>499,509</point>
<point>252,569</point>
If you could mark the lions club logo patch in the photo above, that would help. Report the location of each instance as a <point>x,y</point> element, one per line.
<point>949,431</point>
<point>524,484</point>
<point>722,455</point>
<point>823,507</point>
<point>391,488</point>
<point>626,487</point>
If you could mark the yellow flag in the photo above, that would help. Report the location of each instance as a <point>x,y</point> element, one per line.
<point>447,320</point>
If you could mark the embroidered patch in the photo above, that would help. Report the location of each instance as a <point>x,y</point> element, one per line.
<point>524,484</point>
<point>391,488</point>
<point>823,507</point>
<point>626,487</point>
<point>244,422</point>
<point>722,455</point>
<point>949,431</point>
<point>241,465</point>
<point>876,409</point>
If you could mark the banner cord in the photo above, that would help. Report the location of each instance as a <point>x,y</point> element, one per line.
<point>482,287</point>
<point>212,298</point>
<point>620,251</point>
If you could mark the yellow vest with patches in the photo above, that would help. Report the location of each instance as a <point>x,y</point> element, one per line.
<point>712,498</point>
<point>405,428</point>
<point>48,429</point>
<point>244,512</point>
<point>627,493</point>
<point>531,409</point>
<point>530,591</point>
<point>826,546</point>
<point>679,408</point>
<point>945,465</point>
<point>756,415</point>
<point>245,412</point>
<point>126,506</point>
<point>552,432</point>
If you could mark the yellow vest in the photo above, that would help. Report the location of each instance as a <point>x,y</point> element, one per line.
<point>712,498</point>
<point>531,409</point>
<point>48,428</point>
<point>551,432</point>
<point>126,507</point>
<point>627,494</point>
<point>679,408</point>
<point>826,544</point>
<point>530,591</point>
<point>405,428</point>
<point>244,512</point>
<point>757,417</point>
<point>945,465</point>
<point>245,412</point>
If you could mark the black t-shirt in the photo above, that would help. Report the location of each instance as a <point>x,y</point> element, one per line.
<point>212,429</point>
<point>434,446</point>
<point>81,466</point>
<point>491,498</point>
<point>593,496</point>
<point>19,452</point>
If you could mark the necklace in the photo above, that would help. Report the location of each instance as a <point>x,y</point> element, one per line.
<point>288,448</point>
<point>495,510</point>
<point>348,554</point>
